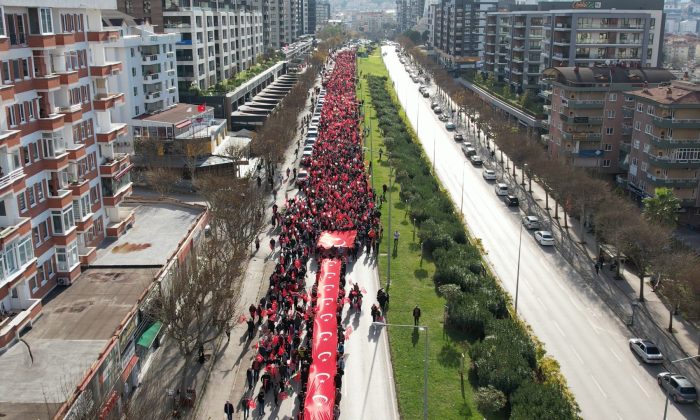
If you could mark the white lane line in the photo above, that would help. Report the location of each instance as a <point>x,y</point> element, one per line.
<point>574,303</point>
<point>559,328</point>
<point>593,326</point>
<point>641,387</point>
<point>540,302</point>
<point>617,356</point>
<point>600,388</point>
<point>578,356</point>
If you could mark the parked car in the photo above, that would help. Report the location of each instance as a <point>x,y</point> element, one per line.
<point>544,238</point>
<point>437,110</point>
<point>442,117</point>
<point>511,200</point>
<point>501,189</point>
<point>678,387</point>
<point>302,177</point>
<point>433,105</point>
<point>646,350</point>
<point>489,174</point>
<point>426,94</point>
<point>450,125</point>
<point>468,151</point>
<point>531,222</point>
<point>458,137</point>
<point>476,160</point>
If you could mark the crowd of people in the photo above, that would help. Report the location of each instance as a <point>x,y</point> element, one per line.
<point>336,197</point>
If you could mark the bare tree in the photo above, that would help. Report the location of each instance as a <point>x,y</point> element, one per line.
<point>678,270</point>
<point>162,180</point>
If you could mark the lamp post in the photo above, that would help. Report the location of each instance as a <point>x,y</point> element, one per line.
<point>425,365</point>
<point>517,273</point>
<point>672,363</point>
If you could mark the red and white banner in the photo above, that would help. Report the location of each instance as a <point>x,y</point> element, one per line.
<point>338,239</point>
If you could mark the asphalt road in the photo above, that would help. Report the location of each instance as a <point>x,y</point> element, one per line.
<point>589,342</point>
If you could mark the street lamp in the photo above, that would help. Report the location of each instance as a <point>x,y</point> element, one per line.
<point>425,365</point>
<point>517,273</point>
<point>672,362</point>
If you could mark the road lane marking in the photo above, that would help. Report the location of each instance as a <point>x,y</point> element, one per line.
<point>540,302</point>
<point>578,356</point>
<point>617,356</point>
<point>559,328</point>
<point>600,388</point>
<point>573,302</point>
<point>593,326</point>
<point>641,387</point>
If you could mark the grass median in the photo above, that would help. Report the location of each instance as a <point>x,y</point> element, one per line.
<point>449,392</point>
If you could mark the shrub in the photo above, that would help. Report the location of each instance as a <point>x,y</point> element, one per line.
<point>433,237</point>
<point>467,314</point>
<point>489,400</point>
<point>541,401</point>
<point>507,332</point>
<point>495,363</point>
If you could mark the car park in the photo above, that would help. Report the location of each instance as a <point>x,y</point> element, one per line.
<point>442,117</point>
<point>489,174</point>
<point>531,222</point>
<point>544,238</point>
<point>646,350</point>
<point>677,387</point>
<point>501,189</point>
<point>458,137</point>
<point>450,125</point>
<point>511,200</point>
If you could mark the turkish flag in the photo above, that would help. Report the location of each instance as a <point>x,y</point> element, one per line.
<point>201,108</point>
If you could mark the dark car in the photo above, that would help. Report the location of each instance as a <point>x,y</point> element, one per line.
<point>426,94</point>
<point>477,161</point>
<point>511,200</point>
<point>458,137</point>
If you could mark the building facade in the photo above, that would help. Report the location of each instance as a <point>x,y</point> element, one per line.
<point>665,147</point>
<point>458,32</point>
<point>214,45</point>
<point>282,21</point>
<point>144,12</point>
<point>62,182</point>
<point>323,13</point>
<point>591,122</point>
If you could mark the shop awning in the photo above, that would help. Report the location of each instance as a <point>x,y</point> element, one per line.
<point>148,337</point>
<point>129,367</point>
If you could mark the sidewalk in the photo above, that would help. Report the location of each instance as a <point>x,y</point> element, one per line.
<point>227,379</point>
<point>650,318</point>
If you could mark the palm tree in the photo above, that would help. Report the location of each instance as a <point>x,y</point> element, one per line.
<point>663,207</point>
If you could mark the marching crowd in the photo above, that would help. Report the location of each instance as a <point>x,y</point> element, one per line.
<point>336,197</point>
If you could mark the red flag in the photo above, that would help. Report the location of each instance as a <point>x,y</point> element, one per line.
<point>201,108</point>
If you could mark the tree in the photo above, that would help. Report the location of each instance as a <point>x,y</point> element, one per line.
<point>663,207</point>
<point>414,36</point>
<point>678,272</point>
<point>162,180</point>
<point>642,242</point>
<point>541,401</point>
<point>489,400</point>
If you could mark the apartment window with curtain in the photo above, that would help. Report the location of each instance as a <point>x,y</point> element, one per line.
<point>46,21</point>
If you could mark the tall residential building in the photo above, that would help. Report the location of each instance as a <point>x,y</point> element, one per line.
<point>306,17</point>
<point>323,13</point>
<point>62,183</point>
<point>408,13</point>
<point>215,44</point>
<point>282,21</point>
<point>665,145</point>
<point>591,115</point>
<point>458,32</point>
<point>144,11</point>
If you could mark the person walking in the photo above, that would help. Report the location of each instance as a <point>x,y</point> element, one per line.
<point>245,407</point>
<point>597,268</point>
<point>251,329</point>
<point>250,377</point>
<point>228,410</point>
<point>261,403</point>
<point>396,240</point>
<point>416,315</point>
<point>257,244</point>
<point>228,333</point>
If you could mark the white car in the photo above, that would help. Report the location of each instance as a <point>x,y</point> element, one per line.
<point>544,238</point>
<point>646,350</point>
<point>489,174</point>
<point>501,189</point>
<point>531,222</point>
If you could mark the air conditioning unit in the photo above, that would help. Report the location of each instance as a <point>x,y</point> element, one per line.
<point>63,281</point>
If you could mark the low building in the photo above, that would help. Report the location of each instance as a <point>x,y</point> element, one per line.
<point>665,145</point>
<point>591,114</point>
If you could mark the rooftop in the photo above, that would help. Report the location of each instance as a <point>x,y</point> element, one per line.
<point>179,114</point>
<point>676,94</point>
<point>604,75</point>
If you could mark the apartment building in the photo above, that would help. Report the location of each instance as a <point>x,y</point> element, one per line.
<point>283,22</point>
<point>665,145</point>
<point>513,48</point>
<point>457,29</point>
<point>323,13</point>
<point>591,120</point>
<point>144,12</point>
<point>214,44</point>
<point>306,17</point>
<point>61,181</point>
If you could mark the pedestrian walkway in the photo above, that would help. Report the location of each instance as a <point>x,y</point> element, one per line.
<point>648,319</point>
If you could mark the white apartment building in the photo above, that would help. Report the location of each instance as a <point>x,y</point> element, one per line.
<point>214,44</point>
<point>283,21</point>
<point>61,181</point>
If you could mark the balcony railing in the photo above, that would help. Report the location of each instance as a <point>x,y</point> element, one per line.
<point>582,136</point>
<point>9,179</point>
<point>669,162</point>
<point>668,122</point>
<point>673,182</point>
<point>671,143</point>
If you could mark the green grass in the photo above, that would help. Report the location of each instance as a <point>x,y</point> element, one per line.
<point>450,394</point>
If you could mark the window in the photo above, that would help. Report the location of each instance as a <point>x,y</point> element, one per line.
<point>33,286</point>
<point>46,22</point>
<point>136,90</point>
<point>606,163</point>
<point>608,147</point>
<point>629,98</point>
<point>25,156</point>
<point>22,116</point>
<point>133,71</point>
<point>133,53</point>
<point>644,166</point>
<point>2,22</point>
<point>648,129</point>
<point>611,113</point>
<point>612,97</point>
<point>67,257</point>
<point>11,116</point>
<point>637,125</point>
<point>62,221</point>
<point>32,198</point>
<point>640,107</point>
<point>36,236</point>
<point>22,203</point>
<point>39,187</point>
<point>646,147</point>
<point>635,144</point>
<point>650,110</point>
<point>609,130</point>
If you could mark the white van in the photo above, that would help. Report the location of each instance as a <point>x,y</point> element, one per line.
<point>501,189</point>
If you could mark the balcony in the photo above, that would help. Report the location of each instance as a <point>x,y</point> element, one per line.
<point>119,227</point>
<point>72,113</point>
<point>87,255</point>
<point>7,93</point>
<point>152,97</point>
<point>58,162</point>
<point>41,41</point>
<point>52,122</point>
<point>65,39</point>
<point>16,320</point>
<point>105,70</point>
<point>115,167</point>
<point>75,152</point>
<point>151,78</point>
<point>61,199</point>
<point>673,182</point>
<point>47,83</point>
<point>670,122</point>
<point>668,162</point>
<point>68,78</point>
<point>10,138</point>
<point>172,89</point>
<point>111,133</point>
<point>4,43</point>
<point>122,189</point>
<point>626,130</point>
<point>582,120</point>
<point>103,36</point>
<point>11,180</point>
<point>582,103</point>
<point>671,143</point>
<point>153,58</point>
<point>582,136</point>
<point>105,101</point>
